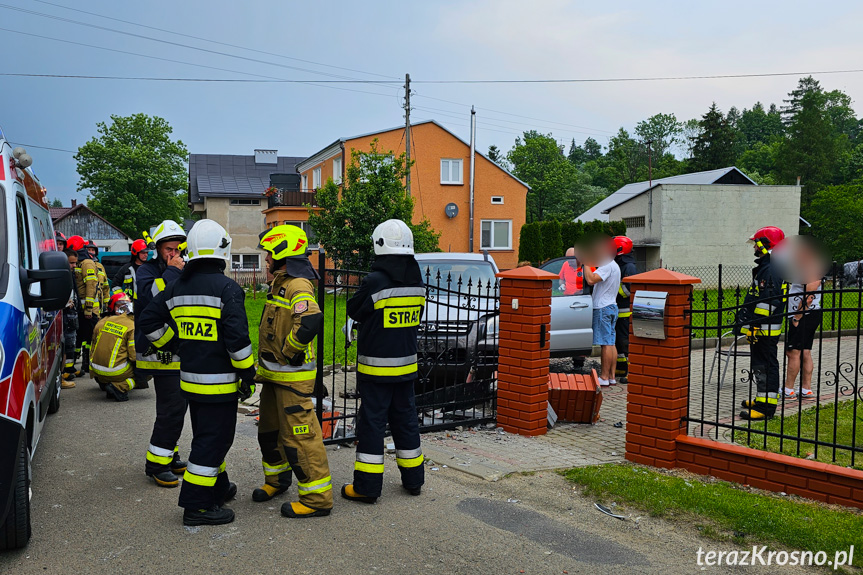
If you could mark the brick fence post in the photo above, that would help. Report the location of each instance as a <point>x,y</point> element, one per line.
<point>523,350</point>
<point>658,390</point>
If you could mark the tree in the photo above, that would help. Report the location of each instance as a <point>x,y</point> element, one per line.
<point>835,214</point>
<point>663,129</point>
<point>134,172</point>
<point>576,154</point>
<point>592,149</point>
<point>496,156</point>
<point>538,160</point>
<point>530,243</point>
<point>758,125</point>
<point>552,244</point>
<point>373,192</point>
<point>714,146</point>
<point>56,203</point>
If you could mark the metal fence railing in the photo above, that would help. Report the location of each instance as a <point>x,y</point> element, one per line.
<point>823,426</point>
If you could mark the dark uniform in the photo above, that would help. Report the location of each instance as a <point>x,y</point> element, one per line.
<point>203,318</point>
<point>760,319</point>
<point>70,334</point>
<point>624,314</point>
<point>152,278</point>
<point>125,279</point>
<point>388,306</point>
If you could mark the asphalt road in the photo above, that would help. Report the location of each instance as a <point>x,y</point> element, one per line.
<point>95,512</point>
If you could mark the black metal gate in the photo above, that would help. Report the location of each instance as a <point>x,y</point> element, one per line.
<point>457,354</point>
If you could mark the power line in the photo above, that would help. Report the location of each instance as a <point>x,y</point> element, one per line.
<point>516,122</point>
<point>212,41</point>
<point>42,147</point>
<point>638,79</point>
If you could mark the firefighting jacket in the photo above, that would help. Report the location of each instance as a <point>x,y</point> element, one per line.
<point>289,324</point>
<point>389,307</point>
<point>125,280</point>
<point>103,287</point>
<point>89,288</point>
<point>151,278</point>
<point>764,305</point>
<point>627,268</point>
<point>113,355</point>
<point>202,316</point>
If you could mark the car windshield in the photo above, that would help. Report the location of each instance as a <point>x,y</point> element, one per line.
<point>440,273</point>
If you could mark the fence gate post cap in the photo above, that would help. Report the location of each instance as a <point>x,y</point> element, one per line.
<point>662,276</point>
<point>528,273</point>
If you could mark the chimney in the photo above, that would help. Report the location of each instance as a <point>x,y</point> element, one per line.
<point>270,157</point>
<point>74,202</point>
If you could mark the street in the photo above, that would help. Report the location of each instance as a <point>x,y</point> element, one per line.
<point>94,512</point>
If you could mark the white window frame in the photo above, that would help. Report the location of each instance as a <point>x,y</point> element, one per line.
<point>237,261</point>
<point>316,178</point>
<point>450,181</point>
<point>337,170</point>
<point>305,183</point>
<point>491,235</point>
<point>497,200</point>
<point>246,202</point>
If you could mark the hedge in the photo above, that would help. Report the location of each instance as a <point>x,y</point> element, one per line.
<point>541,241</point>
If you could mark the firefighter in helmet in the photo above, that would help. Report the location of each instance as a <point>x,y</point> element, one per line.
<point>388,306</point>
<point>113,364</point>
<point>163,459</point>
<point>289,432</point>
<point>760,319</point>
<point>89,298</point>
<point>101,277</point>
<point>125,276</point>
<point>626,260</point>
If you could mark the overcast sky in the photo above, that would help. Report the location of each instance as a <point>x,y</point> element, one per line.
<point>375,40</point>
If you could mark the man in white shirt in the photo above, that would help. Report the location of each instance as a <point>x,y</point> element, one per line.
<point>605,281</point>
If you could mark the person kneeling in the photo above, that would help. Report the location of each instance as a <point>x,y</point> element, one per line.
<point>113,359</point>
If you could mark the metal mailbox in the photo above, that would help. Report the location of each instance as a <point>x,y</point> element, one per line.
<point>648,314</point>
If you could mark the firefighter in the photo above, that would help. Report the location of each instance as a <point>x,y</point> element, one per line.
<point>202,317</point>
<point>760,319</point>
<point>113,364</point>
<point>289,432</point>
<point>163,458</point>
<point>125,276</point>
<point>101,277</point>
<point>70,327</point>
<point>59,241</point>
<point>626,261</point>
<point>388,306</point>
<point>89,298</point>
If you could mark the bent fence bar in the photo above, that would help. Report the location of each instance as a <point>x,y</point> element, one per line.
<point>457,353</point>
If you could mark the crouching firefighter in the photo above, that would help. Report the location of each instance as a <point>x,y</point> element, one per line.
<point>388,306</point>
<point>113,361</point>
<point>152,277</point>
<point>760,320</point>
<point>202,317</point>
<point>626,261</point>
<point>289,432</point>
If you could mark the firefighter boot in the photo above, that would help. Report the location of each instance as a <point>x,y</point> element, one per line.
<point>68,381</point>
<point>112,392</point>
<point>267,491</point>
<point>229,494</point>
<point>85,361</point>
<point>164,478</point>
<point>759,410</point>
<point>621,370</point>
<point>296,510</point>
<point>349,493</point>
<point>178,466</point>
<point>215,515</point>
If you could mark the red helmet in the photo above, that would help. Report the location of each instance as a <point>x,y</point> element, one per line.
<point>115,298</point>
<point>138,246</point>
<point>767,238</point>
<point>623,244</point>
<point>75,243</point>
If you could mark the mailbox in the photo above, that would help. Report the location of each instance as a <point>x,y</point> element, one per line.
<point>648,314</point>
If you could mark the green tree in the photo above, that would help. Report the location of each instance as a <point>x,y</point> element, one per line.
<point>576,154</point>
<point>592,149</point>
<point>552,243</point>
<point>530,243</point>
<point>835,214</point>
<point>760,160</point>
<point>134,172</point>
<point>663,130</point>
<point>496,156</point>
<point>759,125</point>
<point>373,192</point>
<point>714,146</point>
<point>56,203</point>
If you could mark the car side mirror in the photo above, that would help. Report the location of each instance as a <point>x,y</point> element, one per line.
<point>55,282</point>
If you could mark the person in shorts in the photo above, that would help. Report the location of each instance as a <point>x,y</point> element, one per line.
<point>605,280</point>
<point>804,307</point>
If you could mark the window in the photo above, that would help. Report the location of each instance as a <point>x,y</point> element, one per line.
<point>497,200</point>
<point>496,234</point>
<point>25,260</point>
<point>316,178</point>
<point>313,239</point>
<point>337,170</point>
<point>305,185</point>
<point>451,171</point>
<point>245,202</point>
<point>245,262</point>
<point>635,222</point>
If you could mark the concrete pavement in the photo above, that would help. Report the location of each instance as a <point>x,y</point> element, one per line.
<point>94,512</point>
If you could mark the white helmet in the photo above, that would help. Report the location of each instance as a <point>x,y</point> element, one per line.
<point>168,231</point>
<point>393,237</point>
<point>208,239</point>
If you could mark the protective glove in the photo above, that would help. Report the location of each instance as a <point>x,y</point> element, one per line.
<point>88,312</point>
<point>165,356</point>
<point>298,359</point>
<point>752,336</point>
<point>247,383</point>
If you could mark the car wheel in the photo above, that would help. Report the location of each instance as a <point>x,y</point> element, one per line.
<point>15,531</point>
<point>54,405</point>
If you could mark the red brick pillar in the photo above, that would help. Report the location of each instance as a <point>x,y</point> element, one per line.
<point>522,374</point>
<point>657,394</point>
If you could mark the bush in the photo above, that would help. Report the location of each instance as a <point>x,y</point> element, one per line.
<point>540,241</point>
<point>570,233</point>
<point>552,245</point>
<point>530,243</point>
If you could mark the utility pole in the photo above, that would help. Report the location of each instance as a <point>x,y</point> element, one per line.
<point>649,162</point>
<point>408,133</point>
<point>472,170</point>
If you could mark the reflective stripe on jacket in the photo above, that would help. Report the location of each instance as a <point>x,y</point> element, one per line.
<point>152,275</point>
<point>113,354</point>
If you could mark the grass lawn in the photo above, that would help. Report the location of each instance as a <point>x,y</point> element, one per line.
<point>841,417</point>
<point>721,511</point>
<point>334,319</point>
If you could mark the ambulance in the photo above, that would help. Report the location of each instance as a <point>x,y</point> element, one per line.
<point>35,285</point>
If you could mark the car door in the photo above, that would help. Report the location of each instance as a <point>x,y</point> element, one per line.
<point>571,316</point>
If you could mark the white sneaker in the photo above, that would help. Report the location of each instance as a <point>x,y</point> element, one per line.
<point>603,382</point>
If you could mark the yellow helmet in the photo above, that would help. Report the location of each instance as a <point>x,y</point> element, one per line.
<point>284,241</point>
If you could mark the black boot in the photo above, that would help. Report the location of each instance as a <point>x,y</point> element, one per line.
<point>215,515</point>
<point>413,490</point>
<point>115,393</point>
<point>178,466</point>
<point>164,478</point>
<point>229,494</point>
<point>268,491</point>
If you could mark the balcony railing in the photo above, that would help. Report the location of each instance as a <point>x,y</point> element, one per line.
<point>292,198</point>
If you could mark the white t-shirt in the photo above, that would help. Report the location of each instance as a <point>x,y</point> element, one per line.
<point>605,292</point>
<point>795,298</point>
